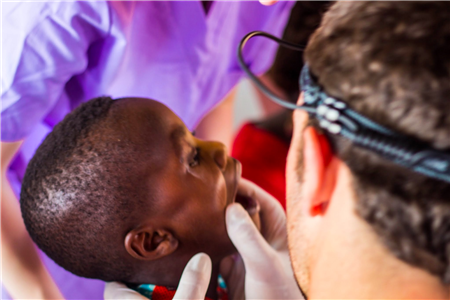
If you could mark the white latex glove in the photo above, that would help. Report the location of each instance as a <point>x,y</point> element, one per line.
<point>265,255</point>
<point>193,283</point>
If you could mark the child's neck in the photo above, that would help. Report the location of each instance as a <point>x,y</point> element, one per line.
<point>170,280</point>
<point>212,288</point>
<point>170,283</point>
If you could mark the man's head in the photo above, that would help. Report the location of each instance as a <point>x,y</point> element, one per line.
<point>121,190</point>
<point>390,62</point>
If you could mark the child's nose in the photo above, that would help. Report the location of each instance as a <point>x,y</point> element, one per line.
<point>219,153</point>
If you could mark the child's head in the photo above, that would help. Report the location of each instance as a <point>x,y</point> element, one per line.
<point>121,190</point>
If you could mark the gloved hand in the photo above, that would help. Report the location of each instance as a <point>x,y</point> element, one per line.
<point>193,283</point>
<point>265,255</point>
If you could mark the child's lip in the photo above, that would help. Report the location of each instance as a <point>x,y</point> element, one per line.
<point>250,205</point>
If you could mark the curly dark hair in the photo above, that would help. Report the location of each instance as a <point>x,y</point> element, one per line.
<point>74,200</point>
<point>390,61</point>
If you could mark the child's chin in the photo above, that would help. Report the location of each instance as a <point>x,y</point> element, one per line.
<point>252,207</point>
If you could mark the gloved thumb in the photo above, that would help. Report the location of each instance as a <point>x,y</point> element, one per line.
<point>251,245</point>
<point>195,279</point>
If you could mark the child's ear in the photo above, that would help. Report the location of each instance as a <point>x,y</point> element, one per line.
<point>320,171</point>
<point>147,243</point>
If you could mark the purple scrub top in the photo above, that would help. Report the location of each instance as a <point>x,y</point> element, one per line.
<point>57,55</point>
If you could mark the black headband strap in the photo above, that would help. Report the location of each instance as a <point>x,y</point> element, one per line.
<point>337,118</point>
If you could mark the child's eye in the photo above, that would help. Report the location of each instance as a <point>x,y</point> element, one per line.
<point>195,159</point>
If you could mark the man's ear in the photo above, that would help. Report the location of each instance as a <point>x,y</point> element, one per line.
<point>320,171</point>
<point>147,243</point>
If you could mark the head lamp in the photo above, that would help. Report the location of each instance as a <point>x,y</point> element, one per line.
<point>335,117</point>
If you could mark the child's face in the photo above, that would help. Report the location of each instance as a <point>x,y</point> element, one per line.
<point>190,182</point>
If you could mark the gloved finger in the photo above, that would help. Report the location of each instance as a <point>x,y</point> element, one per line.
<point>195,278</point>
<point>256,253</point>
<point>268,2</point>
<point>265,200</point>
<point>272,215</point>
<point>116,290</point>
<point>233,272</point>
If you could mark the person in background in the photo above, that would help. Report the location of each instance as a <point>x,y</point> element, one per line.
<point>262,146</point>
<point>60,54</point>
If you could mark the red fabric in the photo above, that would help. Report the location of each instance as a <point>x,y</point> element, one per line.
<point>163,293</point>
<point>263,158</point>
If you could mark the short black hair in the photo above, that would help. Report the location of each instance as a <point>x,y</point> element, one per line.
<point>75,202</point>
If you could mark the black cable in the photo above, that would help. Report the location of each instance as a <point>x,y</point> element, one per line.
<point>338,119</point>
<point>256,80</point>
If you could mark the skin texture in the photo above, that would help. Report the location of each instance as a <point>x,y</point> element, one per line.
<point>334,253</point>
<point>195,182</point>
<point>120,190</point>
